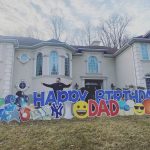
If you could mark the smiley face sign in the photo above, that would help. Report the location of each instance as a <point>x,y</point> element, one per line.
<point>80,109</point>
<point>139,109</point>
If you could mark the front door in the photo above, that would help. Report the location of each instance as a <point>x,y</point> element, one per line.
<point>92,85</point>
<point>148,83</point>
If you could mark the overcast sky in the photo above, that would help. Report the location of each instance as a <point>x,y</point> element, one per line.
<point>19,17</point>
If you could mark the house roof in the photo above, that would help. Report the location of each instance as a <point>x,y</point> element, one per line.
<point>106,50</point>
<point>54,41</point>
<point>22,40</point>
<point>28,42</point>
<point>142,39</point>
<point>147,35</point>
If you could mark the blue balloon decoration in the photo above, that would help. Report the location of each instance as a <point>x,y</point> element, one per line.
<point>10,99</point>
<point>126,108</point>
<point>1,112</point>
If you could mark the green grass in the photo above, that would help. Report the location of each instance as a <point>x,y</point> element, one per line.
<point>132,132</point>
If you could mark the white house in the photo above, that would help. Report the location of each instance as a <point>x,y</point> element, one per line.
<point>27,62</point>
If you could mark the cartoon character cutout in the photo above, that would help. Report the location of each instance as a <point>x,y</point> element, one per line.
<point>10,99</point>
<point>21,99</point>
<point>9,113</point>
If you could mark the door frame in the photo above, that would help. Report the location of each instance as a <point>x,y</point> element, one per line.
<point>104,78</point>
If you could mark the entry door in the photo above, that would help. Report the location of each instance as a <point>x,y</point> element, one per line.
<point>91,86</point>
<point>148,83</point>
<point>94,84</point>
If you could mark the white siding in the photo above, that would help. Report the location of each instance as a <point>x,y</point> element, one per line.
<point>26,71</point>
<point>125,69</point>
<point>106,69</point>
<point>6,66</point>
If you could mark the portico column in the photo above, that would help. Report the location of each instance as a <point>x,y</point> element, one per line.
<point>105,84</point>
<point>82,82</point>
<point>34,67</point>
<point>71,68</point>
<point>46,65</point>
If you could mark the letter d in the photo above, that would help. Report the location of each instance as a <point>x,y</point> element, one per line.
<point>92,104</point>
<point>113,104</point>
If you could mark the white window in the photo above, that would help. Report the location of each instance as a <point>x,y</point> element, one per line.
<point>54,63</point>
<point>144,52</point>
<point>39,64</point>
<point>92,64</point>
<point>67,66</point>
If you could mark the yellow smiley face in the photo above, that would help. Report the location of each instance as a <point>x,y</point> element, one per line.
<point>80,109</point>
<point>139,109</point>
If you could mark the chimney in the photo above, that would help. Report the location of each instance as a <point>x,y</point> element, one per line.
<point>95,43</point>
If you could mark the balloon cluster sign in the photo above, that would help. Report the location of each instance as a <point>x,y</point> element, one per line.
<point>73,104</point>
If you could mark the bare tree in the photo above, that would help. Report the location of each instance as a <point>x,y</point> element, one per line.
<point>113,32</point>
<point>88,31</point>
<point>57,26</point>
<point>78,37</point>
<point>33,32</point>
<point>84,35</point>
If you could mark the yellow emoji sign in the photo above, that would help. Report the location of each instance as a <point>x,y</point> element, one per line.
<point>80,109</point>
<point>139,109</point>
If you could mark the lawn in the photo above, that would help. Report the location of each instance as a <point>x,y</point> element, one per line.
<point>132,132</point>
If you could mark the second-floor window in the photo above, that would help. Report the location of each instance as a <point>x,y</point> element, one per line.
<point>53,63</point>
<point>39,64</point>
<point>144,51</point>
<point>67,66</point>
<point>92,64</point>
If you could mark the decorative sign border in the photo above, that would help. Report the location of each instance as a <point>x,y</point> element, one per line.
<point>69,104</point>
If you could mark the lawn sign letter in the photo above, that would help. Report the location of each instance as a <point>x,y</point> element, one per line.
<point>74,103</point>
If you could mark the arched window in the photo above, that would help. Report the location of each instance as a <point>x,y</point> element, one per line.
<point>54,63</point>
<point>144,51</point>
<point>39,64</point>
<point>67,66</point>
<point>92,64</point>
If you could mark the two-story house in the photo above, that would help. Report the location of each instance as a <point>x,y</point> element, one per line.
<point>133,63</point>
<point>26,62</point>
